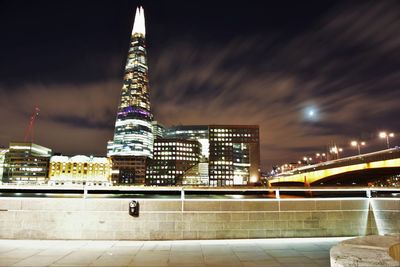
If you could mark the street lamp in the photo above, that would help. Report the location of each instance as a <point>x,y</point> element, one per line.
<point>358,145</point>
<point>386,135</point>
<point>336,150</point>
<point>307,159</point>
<point>320,156</point>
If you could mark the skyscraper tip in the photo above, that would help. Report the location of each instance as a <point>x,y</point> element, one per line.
<point>139,25</point>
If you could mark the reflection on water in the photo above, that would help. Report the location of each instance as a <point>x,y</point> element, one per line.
<point>171,196</point>
<point>191,194</point>
<point>40,195</point>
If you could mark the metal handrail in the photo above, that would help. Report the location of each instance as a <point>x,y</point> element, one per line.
<point>184,192</point>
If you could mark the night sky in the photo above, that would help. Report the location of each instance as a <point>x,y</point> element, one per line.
<point>217,62</point>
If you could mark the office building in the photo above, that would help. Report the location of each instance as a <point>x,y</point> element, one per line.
<point>26,163</point>
<point>234,155</point>
<point>133,135</point>
<point>172,158</point>
<point>158,130</point>
<point>79,170</point>
<point>3,152</point>
<point>128,170</point>
<point>196,175</point>
<point>191,132</point>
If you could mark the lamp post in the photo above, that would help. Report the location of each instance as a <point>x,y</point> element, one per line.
<point>358,145</point>
<point>336,150</point>
<point>387,136</point>
<point>307,160</point>
<point>320,156</point>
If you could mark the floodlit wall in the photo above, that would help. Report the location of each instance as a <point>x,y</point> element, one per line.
<point>46,218</point>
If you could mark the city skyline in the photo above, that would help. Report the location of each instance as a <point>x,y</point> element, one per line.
<point>307,79</point>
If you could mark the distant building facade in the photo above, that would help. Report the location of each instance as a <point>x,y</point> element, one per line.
<point>191,132</point>
<point>26,163</point>
<point>158,130</point>
<point>79,169</point>
<point>234,155</point>
<point>196,175</point>
<point>128,170</point>
<point>3,152</point>
<point>172,158</point>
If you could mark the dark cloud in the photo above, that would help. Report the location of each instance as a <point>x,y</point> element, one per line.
<point>73,118</point>
<point>344,62</point>
<point>345,72</point>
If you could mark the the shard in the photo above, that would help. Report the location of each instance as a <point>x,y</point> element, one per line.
<point>133,134</point>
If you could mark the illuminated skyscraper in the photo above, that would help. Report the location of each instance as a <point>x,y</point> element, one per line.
<point>133,135</point>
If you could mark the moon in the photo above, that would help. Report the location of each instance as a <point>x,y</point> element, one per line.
<point>311,113</point>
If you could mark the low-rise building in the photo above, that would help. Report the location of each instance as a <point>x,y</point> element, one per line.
<point>26,163</point>
<point>79,170</point>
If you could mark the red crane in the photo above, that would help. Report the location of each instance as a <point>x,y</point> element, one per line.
<point>30,129</point>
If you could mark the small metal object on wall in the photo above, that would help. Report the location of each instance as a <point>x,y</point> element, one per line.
<point>134,208</point>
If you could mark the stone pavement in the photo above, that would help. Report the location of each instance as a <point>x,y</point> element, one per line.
<point>300,252</point>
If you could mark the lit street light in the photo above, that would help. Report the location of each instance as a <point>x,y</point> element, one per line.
<point>386,135</point>
<point>307,160</point>
<point>320,156</point>
<point>358,145</point>
<point>336,150</point>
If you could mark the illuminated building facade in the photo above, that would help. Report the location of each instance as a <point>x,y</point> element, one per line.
<point>172,158</point>
<point>26,163</point>
<point>158,130</point>
<point>133,135</point>
<point>191,132</point>
<point>196,175</point>
<point>3,152</point>
<point>79,170</point>
<point>234,155</point>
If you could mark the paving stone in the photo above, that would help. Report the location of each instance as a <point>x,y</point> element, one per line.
<point>198,253</point>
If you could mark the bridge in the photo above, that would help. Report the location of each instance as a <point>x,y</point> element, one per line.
<point>355,170</point>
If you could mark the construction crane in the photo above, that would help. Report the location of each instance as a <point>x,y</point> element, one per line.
<point>30,129</point>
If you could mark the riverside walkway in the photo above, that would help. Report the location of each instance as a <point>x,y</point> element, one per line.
<point>299,252</point>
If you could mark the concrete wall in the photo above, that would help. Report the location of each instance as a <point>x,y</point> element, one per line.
<point>63,218</point>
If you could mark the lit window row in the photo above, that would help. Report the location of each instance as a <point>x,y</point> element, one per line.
<point>175,144</point>
<point>178,158</point>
